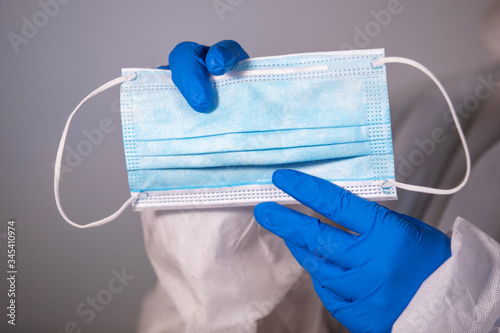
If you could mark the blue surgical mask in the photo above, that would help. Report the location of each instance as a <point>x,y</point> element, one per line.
<point>325,114</point>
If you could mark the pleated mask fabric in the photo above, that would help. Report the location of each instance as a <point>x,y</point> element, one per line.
<point>326,114</point>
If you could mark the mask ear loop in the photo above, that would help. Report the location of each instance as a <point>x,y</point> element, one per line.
<point>423,189</point>
<point>57,168</point>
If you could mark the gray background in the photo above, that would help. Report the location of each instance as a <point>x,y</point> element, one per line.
<point>86,44</point>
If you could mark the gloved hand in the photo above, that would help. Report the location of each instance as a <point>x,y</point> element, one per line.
<point>191,64</point>
<point>365,281</point>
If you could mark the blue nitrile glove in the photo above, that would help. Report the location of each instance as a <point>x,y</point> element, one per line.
<point>191,64</point>
<point>365,281</point>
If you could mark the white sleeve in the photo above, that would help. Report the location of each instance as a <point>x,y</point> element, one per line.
<point>463,294</point>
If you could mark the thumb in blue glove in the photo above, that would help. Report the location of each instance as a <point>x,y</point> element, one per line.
<point>365,280</point>
<point>191,64</point>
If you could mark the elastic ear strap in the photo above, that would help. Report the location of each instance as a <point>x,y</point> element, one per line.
<point>381,61</point>
<point>57,168</point>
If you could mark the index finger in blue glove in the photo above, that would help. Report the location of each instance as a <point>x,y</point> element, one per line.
<point>223,55</point>
<point>328,199</point>
<point>190,75</point>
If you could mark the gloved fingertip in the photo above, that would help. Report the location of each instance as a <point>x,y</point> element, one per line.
<point>163,67</point>
<point>259,212</point>
<point>263,213</point>
<point>202,101</point>
<point>222,56</point>
<point>216,62</point>
<point>282,176</point>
